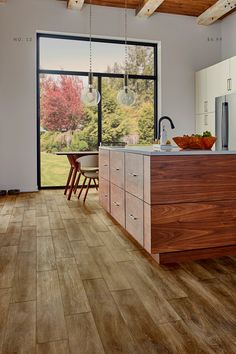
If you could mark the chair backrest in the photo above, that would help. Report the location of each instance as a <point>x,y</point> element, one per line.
<point>88,161</point>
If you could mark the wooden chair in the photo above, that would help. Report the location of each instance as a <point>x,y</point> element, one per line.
<point>72,183</point>
<point>89,170</point>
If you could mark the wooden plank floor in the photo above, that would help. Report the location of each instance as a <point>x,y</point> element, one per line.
<point>71,281</point>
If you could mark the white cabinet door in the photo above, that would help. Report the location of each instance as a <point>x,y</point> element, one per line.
<point>205,122</point>
<point>201,91</point>
<point>217,76</point>
<point>232,75</point>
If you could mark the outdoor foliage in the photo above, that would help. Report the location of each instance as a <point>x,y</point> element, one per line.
<point>67,125</point>
<point>61,106</point>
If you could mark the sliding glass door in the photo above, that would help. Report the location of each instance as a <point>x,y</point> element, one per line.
<point>66,124</point>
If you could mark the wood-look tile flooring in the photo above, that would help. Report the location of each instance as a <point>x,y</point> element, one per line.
<point>72,282</point>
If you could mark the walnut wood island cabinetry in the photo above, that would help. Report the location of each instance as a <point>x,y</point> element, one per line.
<point>177,205</point>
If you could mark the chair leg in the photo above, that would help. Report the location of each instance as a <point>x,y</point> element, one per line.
<point>77,183</point>
<point>82,187</point>
<point>72,183</point>
<point>68,180</point>
<point>94,181</point>
<point>88,186</point>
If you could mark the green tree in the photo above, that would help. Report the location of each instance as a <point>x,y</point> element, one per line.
<point>146,123</point>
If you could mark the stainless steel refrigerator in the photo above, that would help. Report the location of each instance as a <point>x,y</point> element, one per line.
<point>226,122</point>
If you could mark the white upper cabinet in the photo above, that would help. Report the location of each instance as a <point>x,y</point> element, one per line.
<point>212,82</point>
<point>217,76</point>
<point>232,75</point>
<point>201,91</point>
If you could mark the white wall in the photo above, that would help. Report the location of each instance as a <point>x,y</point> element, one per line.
<point>185,49</point>
<point>228,31</point>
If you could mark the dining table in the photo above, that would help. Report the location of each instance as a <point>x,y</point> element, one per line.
<point>72,157</point>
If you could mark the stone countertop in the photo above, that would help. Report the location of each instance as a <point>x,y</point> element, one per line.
<point>148,150</point>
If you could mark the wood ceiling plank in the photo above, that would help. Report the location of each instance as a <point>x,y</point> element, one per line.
<point>148,7</point>
<point>179,7</point>
<point>215,12</point>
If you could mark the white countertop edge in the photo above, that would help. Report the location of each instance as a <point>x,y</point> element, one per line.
<point>150,152</point>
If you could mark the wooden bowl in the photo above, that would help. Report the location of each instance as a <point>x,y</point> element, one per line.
<point>182,141</point>
<point>208,142</point>
<point>194,142</point>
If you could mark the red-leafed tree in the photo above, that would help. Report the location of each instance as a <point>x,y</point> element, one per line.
<point>61,106</point>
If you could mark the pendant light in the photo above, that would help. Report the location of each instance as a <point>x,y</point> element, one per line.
<point>90,96</point>
<point>126,97</point>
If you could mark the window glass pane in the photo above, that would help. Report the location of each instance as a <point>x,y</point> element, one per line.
<point>65,125</point>
<point>73,55</point>
<point>133,125</point>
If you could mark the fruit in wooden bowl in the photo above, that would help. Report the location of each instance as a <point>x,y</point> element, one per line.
<point>196,142</point>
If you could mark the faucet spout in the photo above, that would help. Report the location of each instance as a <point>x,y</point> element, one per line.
<point>159,125</point>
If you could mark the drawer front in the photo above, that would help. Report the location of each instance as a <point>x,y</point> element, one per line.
<point>134,174</point>
<point>104,163</point>
<point>117,168</point>
<point>104,194</point>
<point>118,204</point>
<point>191,226</point>
<point>134,217</point>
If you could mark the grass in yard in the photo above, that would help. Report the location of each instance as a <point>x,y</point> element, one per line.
<point>54,170</point>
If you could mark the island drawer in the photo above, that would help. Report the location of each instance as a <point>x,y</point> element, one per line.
<point>134,217</point>
<point>104,194</point>
<point>104,163</point>
<point>134,174</point>
<point>118,204</point>
<point>117,168</point>
<point>191,226</point>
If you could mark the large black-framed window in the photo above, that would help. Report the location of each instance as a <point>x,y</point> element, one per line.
<point>101,77</point>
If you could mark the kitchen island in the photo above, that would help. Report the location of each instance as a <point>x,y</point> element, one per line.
<point>178,205</point>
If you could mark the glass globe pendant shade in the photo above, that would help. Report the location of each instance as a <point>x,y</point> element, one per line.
<point>126,97</point>
<point>90,96</point>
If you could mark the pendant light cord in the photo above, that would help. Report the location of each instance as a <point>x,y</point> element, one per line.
<point>126,47</point>
<point>90,44</point>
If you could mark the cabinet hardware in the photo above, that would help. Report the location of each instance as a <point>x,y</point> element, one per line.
<point>117,169</point>
<point>132,217</point>
<point>105,165</point>
<point>229,86</point>
<point>205,119</point>
<point>116,204</point>
<point>132,174</point>
<point>205,106</point>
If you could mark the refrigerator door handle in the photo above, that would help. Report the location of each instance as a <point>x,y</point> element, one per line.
<point>225,126</point>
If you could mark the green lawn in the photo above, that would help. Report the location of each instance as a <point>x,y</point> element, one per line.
<point>54,170</point>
